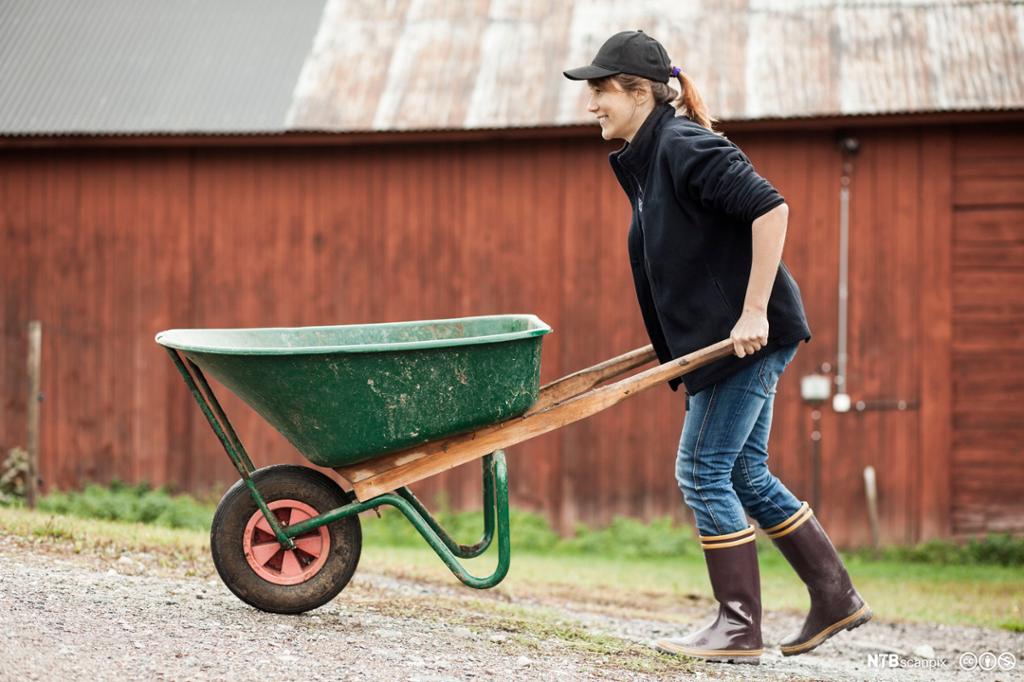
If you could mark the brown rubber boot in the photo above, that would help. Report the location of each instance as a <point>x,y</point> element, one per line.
<point>735,634</point>
<point>835,603</point>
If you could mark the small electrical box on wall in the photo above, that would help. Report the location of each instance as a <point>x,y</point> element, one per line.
<point>815,388</point>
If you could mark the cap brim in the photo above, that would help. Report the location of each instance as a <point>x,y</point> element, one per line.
<point>585,73</point>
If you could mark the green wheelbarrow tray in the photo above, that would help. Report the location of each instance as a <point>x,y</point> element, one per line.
<point>343,394</point>
<point>384,405</point>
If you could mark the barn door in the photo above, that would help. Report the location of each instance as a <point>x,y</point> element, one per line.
<point>987,459</point>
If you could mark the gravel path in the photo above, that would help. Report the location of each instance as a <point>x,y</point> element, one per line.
<point>133,617</point>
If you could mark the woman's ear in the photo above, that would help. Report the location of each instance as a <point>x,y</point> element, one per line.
<point>643,94</point>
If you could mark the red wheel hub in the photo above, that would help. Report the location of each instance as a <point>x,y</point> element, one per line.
<point>274,563</point>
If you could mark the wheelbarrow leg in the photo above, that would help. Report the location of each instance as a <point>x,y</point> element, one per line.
<point>214,414</point>
<point>463,551</point>
<point>495,509</point>
<point>496,473</point>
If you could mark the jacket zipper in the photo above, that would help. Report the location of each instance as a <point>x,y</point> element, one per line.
<point>721,294</point>
<point>643,237</point>
<point>643,253</point>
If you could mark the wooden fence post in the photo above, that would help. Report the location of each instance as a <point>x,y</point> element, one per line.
<point>35,335</point>
<point>871,492</point>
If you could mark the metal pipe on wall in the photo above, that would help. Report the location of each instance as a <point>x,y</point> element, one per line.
<point>841,400</point>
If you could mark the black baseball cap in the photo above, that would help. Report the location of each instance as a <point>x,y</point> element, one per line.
<point>631,52</point>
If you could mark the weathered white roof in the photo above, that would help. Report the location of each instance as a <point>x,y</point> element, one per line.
<point>432,64</point>
<point>232,66</point>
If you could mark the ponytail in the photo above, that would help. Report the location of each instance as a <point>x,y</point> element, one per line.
<point>687,101</point>
<point>690,103</point>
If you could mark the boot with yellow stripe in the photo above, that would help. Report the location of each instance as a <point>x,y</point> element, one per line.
<point>735,634</point>
<point>835,603</point>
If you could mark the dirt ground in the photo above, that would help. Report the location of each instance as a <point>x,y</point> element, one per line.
<point>115,616</point>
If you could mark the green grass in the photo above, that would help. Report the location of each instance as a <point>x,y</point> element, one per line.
<point>628,565</point>
<point>532,533</point>
<point>624,537</point>
<point>1012,625</point>
<point>995,548</point>
<point>175,547</point>
<point>133,503</point>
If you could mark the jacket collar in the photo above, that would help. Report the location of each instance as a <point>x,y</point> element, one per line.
<point>635,156</point>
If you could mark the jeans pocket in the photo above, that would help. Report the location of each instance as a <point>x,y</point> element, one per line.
<point>768,372</point>
<point>772,366</point>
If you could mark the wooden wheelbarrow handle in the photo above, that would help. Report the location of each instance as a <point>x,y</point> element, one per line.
<point>585,379</point>
<point>561,402</point>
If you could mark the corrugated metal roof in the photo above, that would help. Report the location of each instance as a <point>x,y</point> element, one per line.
<point>499,63</point>
<point>231,66</point>
<point>140,66</point>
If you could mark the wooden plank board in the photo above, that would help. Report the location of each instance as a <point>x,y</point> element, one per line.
<point>989,167</point>
<point>988,293</point>
<point>992,256</point>
<point>989,239</point>
<point>975,191</point>
<point>975,518</point>
<point>585,379</point>
<point>933,474</point>
<point>384,474</point>
<point>986,142</point>
<point>989,225</point>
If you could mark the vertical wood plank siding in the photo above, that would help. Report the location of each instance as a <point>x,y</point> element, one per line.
<point>988,332</point>
<point>107,247</point>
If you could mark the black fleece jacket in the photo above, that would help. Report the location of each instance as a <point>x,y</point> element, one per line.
<point>694,196</point>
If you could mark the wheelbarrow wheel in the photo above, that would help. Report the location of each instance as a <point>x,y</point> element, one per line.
<point>253,564</point>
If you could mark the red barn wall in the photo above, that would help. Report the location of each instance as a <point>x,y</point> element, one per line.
<point>109,246</point>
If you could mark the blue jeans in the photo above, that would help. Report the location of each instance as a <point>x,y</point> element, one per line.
<point>722,463</point>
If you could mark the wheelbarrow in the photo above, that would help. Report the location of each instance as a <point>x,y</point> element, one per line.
<point>383,405</point>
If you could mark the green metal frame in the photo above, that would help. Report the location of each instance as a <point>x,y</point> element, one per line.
<point>495,494</point>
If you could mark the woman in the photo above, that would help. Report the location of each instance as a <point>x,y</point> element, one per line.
<point>705,246</point>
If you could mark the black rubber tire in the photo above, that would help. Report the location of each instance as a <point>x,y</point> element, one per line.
<point>284,481</point>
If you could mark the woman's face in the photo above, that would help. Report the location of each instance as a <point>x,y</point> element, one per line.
<point>619,113</point>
